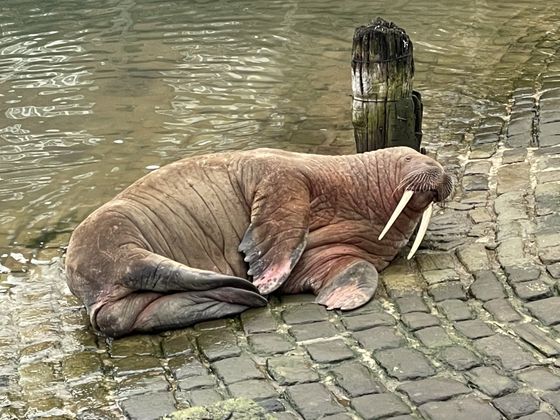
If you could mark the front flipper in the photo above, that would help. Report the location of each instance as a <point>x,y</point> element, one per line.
<point>350,287</point>
<point>276,237</point>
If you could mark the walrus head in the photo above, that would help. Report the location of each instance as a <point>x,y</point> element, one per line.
<point>423,181</point>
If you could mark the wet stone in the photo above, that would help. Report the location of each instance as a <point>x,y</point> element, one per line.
<point>451,290</point>
<point>213,324</point>
<point>459,358</point>
<point>547,197</point>
<point>186,366</point>
<point>329,351</point>
<point>323,329</point>
<point>532,290</point>
<point>486,286</point>
<point>516,405</point>
<point>379,406</point>
<point>178,342</point>
<point>546,310</point>
<point>475,183</point>
<point>236,369</point>
<point>136,364</point>
<point>148,406</point>
<point>519,140</point>
<point>433,337</point>
<point>520,126</point>
<point>455,310</point>
<point>218,344</point>
<point>365,321</point>
<point>253,389</point>
<point>77,365</point>
<point>200,397</point>
<point>313,400</point>
<point>459,409</point>
<point>440,276</point>
<point>379,338</point>
<point>538,339</point>
<point>474,329</point>
<point>501,310</point>
<point>491,383</point>
<point>474,257</point>
<point>142,345</point>
<point>269,343</point>
<point>510,206</point>
<point>404,363</point>
<point>506,350</point>
<point>554,270</point>
<point>417,320</point>
<point>433,389</point>
<point>519,274</point>
<point>412,303</point>
<point>540,378</point>
<point>301,314</point>
<point>258,320</point>
<point>288,370</point>
<point>483,151</point>
<point>195,382</point>
<point>355,379</point>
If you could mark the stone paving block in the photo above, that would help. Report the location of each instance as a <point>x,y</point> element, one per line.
<point>548,176</point>
<point>379,338</point>
<point>143,384</point>
<point>416,320</point>
<point>486,286</point>
<point>481,215</point>
<point>538,339</point>
<point>258,320</point>
<point>236,369</point>
<point>289,370</point>
<point>356,379</point>
<point>269,343</point>
<point>490,382</point>
<point>474,329</point>
<point>478,167</point>
<point>511,251</point>
<point>510,206</point>
<point>432,337</point>
<point>459,409</point>
<point>414,303</point>
<point>514,156</point>
<point>546,310</point>
<point>502,310</point>
<point>540,378</point>
<point>437,261</point>
<point>201,397</point>
<point>459,358</point>
<point>365,321</point>
<point>218,344</point>
<point>329,351</point>
<point>553,398</point>
<point>186,366</point>
<point>313,400</point>
<point>517,274</point>
<point>516,405</point>
<point>134,364</point>
<point>513,178</point>
<point>554,270</point>
<point>474,257</point>
<point>537,416</point>
<point>483,151</point>
<point>379,406</point>
<point>475,182</point>
<point>322,329</point>
<point>404,363</point>
<point>440,276</point>
<point>532,290</point>
<point>547,197</point>
<point>148,406</point>
<point>506,350</point>
<point>451,290</point>
<point>433,389</point>
<point>179,342</point>
<point>521,126</point>
<point>550,255</point>
<point>302,314</point>
<point>455,310</point>
<point>195,382</point>
<point>254,389</point>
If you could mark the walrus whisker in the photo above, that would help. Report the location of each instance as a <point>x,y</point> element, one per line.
<point>426,216</point>
<point>398,210</point>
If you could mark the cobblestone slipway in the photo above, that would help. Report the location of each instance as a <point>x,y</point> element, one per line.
<point>468,330</point>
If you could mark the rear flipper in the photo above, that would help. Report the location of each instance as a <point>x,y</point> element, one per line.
<point>149,312</point>
<point>349,288</point>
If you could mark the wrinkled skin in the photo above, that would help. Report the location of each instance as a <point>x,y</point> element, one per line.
<point>181,244</point>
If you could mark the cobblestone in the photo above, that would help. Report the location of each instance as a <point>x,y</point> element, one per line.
<point>378,406</point>
<point>541,378</point>
<point>356,379</point>
<point>460,409</point>
<point>516,405</point>
<point>329,351</point>
<point>313,400</point>
<point>455,310</point>
<point>434,389</point>
<point>546,310</point>
<point>459,358</point>
<point>405,363</point>
<point>491,382</point>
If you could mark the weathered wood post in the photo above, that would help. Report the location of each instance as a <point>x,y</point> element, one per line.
<point>386,111</point>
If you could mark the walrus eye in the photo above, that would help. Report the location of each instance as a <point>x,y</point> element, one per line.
<point>408,158</point>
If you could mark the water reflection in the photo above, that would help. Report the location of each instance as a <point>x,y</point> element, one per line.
<point>94,93</point>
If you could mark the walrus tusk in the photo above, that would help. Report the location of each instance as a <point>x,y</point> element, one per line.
<point>426,216</point>
<point>398,210</point>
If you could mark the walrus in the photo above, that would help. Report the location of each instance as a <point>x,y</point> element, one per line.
<point>212,235</point>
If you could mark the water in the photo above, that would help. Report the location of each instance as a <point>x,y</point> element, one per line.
<point>96,93</point>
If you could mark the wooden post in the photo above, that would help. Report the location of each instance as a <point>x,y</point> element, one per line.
<point>386,111</point>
